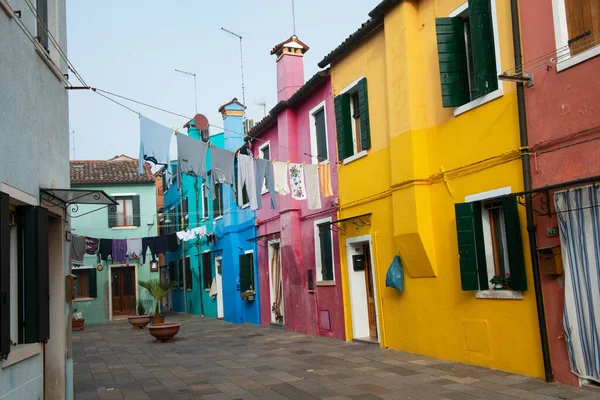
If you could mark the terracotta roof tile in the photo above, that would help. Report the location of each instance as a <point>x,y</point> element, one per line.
<point>120,169</point>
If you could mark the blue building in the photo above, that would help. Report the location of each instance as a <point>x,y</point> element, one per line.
<point>214,260</point>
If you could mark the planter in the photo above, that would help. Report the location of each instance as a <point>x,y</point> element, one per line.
<point>164,333</point>
<point>498,286</point>
<point>157,319</point>
<point>250,298</point>
<point>77,324</point>
<point>139,321</point>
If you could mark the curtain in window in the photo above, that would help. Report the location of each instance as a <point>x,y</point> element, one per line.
<point>579,227</point>
<point>276,283</point>
<point>128,212</point>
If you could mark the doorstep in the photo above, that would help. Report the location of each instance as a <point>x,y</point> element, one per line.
<point>368,340</point>
<point>276,325</point>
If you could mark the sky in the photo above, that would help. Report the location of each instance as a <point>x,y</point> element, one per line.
<point>132,48</point>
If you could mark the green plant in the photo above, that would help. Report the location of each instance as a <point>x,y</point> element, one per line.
<point>157,290</point>
<point>501,280</point>
<point>141,309</point>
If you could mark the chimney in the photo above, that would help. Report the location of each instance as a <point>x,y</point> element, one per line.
<point>233,115</point>
<point>290,68</point>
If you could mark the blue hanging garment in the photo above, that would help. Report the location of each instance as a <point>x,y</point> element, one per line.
<point>395,275</point>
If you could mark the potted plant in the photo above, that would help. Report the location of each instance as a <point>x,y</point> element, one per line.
<point>77,322</point>
<point>140,320</point>
<point>158,291</point>
<point>501,282</point>
<point>506,283</point>
<point>248,295</point>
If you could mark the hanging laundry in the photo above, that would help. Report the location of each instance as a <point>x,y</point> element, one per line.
<point>325,179</point>
<point>200,231</point>
<point>77,249</point>
<point>155,140</point>
<point>157,245</point>
<point>134,248</point>
<point>172,242</point>
<point>186,235</point>
<point>192,157</point>
<point>105,249</point>
<point>91,246</point>
<point>297,181</point>
<point>119,250</point>
<point>222,165</point>
<point>246,176</point>
<point>313,190</point>
<point>214,291</point>
<point>280,173</point>
<point>264,172</point>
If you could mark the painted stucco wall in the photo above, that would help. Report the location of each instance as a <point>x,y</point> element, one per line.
<point>410,180</point>
<point>563,125</point>
<point>97,310</point>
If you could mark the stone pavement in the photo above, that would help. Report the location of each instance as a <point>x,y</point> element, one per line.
<point>212,359</point>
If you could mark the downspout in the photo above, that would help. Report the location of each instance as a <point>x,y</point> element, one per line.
<point>537,282</point>
<point>182,258</point>
<point>198,247</point>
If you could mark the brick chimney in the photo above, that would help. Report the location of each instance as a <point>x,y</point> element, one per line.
<point>290,68</point>
<point>233,122</point>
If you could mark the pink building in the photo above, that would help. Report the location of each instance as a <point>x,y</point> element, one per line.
<point>561,43</point>
<point>298,254</point>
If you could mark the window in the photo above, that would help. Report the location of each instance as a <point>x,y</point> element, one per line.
<point>180,274</point>
<point>85,284</point>
<point>42,23</point>
<point>172,277</point>
<point>489,244</point>
<point>318,134</point>
<point>352,121</point>
<point>246,272</point>
<point>218,201</point>
<point>204,202</point>
<point>324,250</point>
<point>467,54</point>
<point>265,153</point>
<point>188,274</point>
<point>206,270</point>
<point>185,211</point>
<point>126,213</point>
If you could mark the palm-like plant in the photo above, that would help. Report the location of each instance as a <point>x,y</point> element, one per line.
<point>158,290</point>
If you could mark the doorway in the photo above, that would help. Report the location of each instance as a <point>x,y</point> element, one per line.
<point>123,291</point>
<point>218,266</point>
<point>275,283</point>
<point>363,289</point>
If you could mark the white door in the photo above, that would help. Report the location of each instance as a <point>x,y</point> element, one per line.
<point>218,263</point>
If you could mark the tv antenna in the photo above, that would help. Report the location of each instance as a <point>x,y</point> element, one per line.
<point>263,104</point>
<point>242,63</point>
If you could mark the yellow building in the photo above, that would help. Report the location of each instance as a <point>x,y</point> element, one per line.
<point>411,161</point>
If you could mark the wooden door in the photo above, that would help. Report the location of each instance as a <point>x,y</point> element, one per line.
<point>370,292</point>
<point>123,291</point>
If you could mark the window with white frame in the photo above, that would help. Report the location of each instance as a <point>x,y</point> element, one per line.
<point>264,152</point>
<point>324,250</point>
<point>318,134</point>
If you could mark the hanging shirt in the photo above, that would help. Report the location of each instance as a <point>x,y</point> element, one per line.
<point>155,140</point>
<point>325,179</point>
<point>156,244</point>
<point>222,165</point>
<point>200,231</point>
<point>264,173</point>
<point>280,175</point>
<point>119,250</point>
<point>192,156</point>
<point>77,248</point>
<point>246,176</point>
<point>134,248</point>
<point>105,249</point>
<point>91,246</point>
<point>313,190</point>
<point>297,181</point>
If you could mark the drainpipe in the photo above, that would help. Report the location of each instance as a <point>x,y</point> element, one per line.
<point>537,282</point>
<point>182,247</point>
<point>198,245</point>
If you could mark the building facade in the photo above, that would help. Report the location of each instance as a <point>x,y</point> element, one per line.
<point>298,254</point>
<point>563,131</point>
<point>35,314</point>
<point>113,292</point>
<point>430,137</point>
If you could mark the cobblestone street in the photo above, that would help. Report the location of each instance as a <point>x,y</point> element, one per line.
<point>212,359</point>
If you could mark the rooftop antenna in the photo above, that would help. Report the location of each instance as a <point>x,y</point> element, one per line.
<point>263,104</point>
<point>293,18</point>
<point>242,62</point>
<point>195,89</point>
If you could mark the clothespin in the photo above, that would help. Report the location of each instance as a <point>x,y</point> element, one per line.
<point>139,113</point>
<point>303,163</point>
<point>287,162</point>
<point>273,161</point>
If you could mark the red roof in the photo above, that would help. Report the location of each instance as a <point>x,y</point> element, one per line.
<point>120,169</point>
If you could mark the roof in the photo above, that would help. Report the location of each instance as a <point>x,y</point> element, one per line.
<point>383,7</point>
<point>352,41</point>
<point>117,170</point>
<point>234,101</point>
<point>314,82</point>
<point>293,41</point>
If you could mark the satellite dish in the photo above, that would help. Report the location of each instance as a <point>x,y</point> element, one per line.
<point>201,122</point>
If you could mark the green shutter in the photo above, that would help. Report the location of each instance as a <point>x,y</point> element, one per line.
<point>4,276</point>
<point>246,272</point>
<point>136,211</point>
<point>363,109</point>
<point>112,216</point>
<point>452,57</point>
<point>470,246</point>
<point>180,274</point>
<point>343,124</point>
<point>93,285</point>
<point>516,260</point>
<point>326,253</point>
<point>482,47</point>
<point>207,270</point>
<point>37,290</point>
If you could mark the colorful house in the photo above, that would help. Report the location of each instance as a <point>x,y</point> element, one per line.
<point>112,292</point>
<point>298,254</point>
<point>430,160</point>
<point>560,53</point>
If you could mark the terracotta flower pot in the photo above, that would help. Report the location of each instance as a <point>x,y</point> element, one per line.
<point>164,333</point>
<point>77,324</point>
<point>157,319</point>
<point>139,321</point>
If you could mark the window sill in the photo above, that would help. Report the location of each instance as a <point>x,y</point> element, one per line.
<point>7,8</point>
<point>123,228</point>
<point>207,290</point>
<point>478,102</point>
<point>46,58</point>
<point>21,352</point>
<point>355,157</point>
<point>499,294</point>
<point>579,58</point>
<point>218,218</point>
<point>246,205</point>
<point>83,299</point>
<point>189,290</point>
<point>325,283</point>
